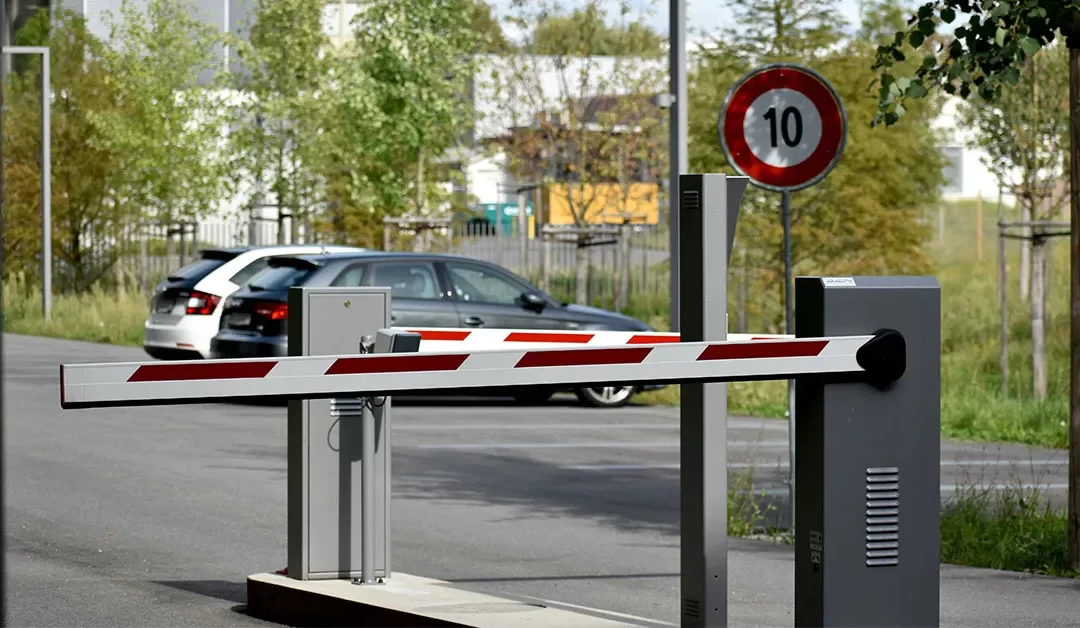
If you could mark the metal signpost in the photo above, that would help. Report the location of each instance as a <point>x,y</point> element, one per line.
<point>783,126</point>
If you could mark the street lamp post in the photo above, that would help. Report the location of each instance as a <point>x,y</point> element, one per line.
<point>46,173</point>
<point>679,159</point>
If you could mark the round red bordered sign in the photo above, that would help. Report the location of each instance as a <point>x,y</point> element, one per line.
<point>783,126</point>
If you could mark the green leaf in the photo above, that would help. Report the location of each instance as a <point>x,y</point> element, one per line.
<point>948,15</point>
<point>916,90</point>
<point>1010,75</point>
<point>999,37</point>
<point>927,27</point>
<point>898,55</point>
<point>916,39</point>
<point>1030,46</point>
<point>900,110</point>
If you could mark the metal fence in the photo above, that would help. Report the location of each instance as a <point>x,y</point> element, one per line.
<point>618,267</point>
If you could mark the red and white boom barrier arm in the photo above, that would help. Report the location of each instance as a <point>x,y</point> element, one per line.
<point>483,339</point>
<point>201,381</point>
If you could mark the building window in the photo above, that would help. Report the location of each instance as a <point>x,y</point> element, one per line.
<point>954,169</point>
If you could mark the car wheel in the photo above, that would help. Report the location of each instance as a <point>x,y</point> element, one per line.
<point>533,397</point>
<point>605,396</point>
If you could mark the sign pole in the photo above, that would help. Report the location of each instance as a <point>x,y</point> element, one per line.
<point>783,126</point>
<point>789,328</point>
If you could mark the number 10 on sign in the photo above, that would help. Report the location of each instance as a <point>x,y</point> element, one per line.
<point>783,126</point>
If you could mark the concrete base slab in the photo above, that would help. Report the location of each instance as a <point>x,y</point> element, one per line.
<point>410,601</point>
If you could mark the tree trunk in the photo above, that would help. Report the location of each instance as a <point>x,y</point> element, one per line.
<point>623,268</point>
<point>581,260</point>
<point>420,182</point>
<point>1003,304</point>
<point>1025,252</point>
<point>1038,318</point>
<point>1072,32</point>
<point>740,320</point>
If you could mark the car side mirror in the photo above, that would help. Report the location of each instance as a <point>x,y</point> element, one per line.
<point>533,301</point>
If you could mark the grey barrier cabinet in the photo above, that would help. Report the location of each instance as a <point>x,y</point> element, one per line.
<point>326,444</point>
<point>868,475</point>
<point>709,211</point>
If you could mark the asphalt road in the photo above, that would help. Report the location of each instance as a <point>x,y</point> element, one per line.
<point>154,516</point>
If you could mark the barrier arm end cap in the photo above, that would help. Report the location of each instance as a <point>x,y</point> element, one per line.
<point>883,357</point>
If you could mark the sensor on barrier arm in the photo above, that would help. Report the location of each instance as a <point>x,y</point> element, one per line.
<point>883,357</point>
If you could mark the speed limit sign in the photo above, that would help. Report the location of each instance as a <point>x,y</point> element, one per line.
<point>783,126</point>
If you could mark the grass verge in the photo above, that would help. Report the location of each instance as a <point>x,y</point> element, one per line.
<point>1011,528</point>
<point>115,317</point>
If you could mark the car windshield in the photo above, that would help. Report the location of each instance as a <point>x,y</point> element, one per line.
<point>279,278</point>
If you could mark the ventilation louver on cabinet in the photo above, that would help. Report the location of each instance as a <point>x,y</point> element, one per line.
<point>691,608</point>
<point>691,200</point>
<point>882,517</point>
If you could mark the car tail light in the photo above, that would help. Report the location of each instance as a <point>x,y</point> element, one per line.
<point>202,303</point>
<point>273,311</point>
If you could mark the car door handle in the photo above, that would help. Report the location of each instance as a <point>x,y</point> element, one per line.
<point>474,321</point>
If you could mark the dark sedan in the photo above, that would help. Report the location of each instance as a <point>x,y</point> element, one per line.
<point>427,290</point>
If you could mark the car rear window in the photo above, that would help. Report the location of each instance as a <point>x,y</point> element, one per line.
<point>279,278</point>
<point>196,270</point>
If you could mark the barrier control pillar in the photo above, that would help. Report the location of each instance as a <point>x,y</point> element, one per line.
<point>332,442</point>
<point>868,497</point>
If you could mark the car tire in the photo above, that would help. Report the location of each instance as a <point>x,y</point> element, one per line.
<point>606,396</point>
<point>533,397</point>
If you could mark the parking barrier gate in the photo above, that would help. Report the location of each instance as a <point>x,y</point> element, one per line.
<point>865,357</point>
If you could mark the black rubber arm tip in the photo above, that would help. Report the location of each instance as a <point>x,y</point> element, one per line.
<point>884,357</point>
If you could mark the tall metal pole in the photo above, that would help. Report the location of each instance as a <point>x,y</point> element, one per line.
<point>46,188</point>
<point>678,157</point>
<point>789,329</point>
<point>4,32</point>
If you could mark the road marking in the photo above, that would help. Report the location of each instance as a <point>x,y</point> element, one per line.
<point>674,444</point>
<point>535,426</point>
<point>423,427</point>
<point>945,488</point>
<point>773,465</point>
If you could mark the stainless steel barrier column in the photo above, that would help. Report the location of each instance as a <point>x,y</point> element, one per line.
<point>327,465</point>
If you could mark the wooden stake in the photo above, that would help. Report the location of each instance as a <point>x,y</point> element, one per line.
<point>979,227</point>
